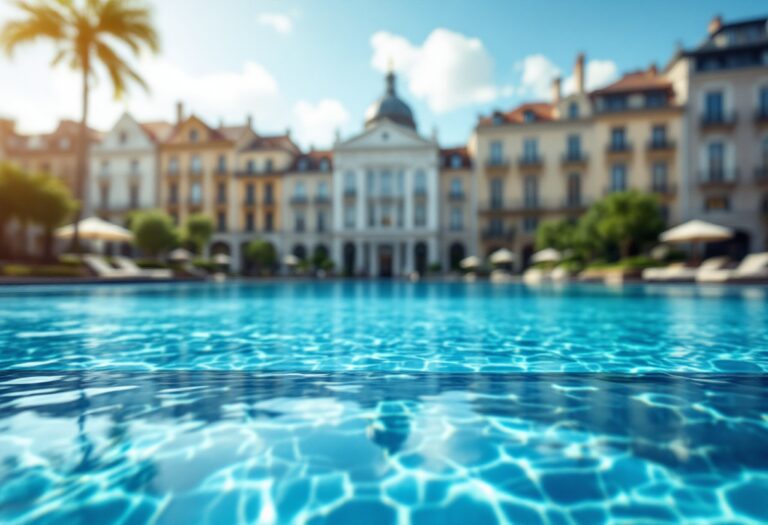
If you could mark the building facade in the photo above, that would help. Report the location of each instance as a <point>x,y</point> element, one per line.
<point>385,194</point>
<point>727,123</point>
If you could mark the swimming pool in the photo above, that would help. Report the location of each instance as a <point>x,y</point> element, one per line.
<point>383,402</point>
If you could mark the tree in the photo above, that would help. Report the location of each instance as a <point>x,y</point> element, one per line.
<point>628,218</point>
<point>10,182</point>
<point>262,254</point>
<point>199,231</point>
<point>154,232</point>
<point>557,234</point>
<point>86,35</point>
<point>52,204</point>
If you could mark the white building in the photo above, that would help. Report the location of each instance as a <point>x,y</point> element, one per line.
<point>124,169</point>
<point>385,194</point>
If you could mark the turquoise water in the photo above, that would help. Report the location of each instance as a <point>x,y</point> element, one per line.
<point>380,402</point>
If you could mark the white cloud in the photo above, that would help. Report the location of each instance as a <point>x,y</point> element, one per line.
<point>316,124</point>
<point>538,71</point>
<point>448,70</point>
<point>280,22</point>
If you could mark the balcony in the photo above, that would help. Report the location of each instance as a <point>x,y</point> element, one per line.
<point>718,121</point>
<point>496,234</point>
<point>496,165</point>
<point>249,201</point>
<point>618,149</point>
<point>663,190</point>
<point>420,192</point>
<point>456,196</point>
<point>761,175</point>
<point>350,193</point>
<point>269,200</point>
<point>761,117</point>
<point>573,159</point>
<point>718,178</point>
<point>660,145</point>
<point>530,162</point>
<point>322,200</point>
<point>299,200</point>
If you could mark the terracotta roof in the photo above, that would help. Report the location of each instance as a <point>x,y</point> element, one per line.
<point>448,154</point>
<point>646,80</point>
<point>273,142</point>
<point>311,161</point>
<point>542,111</point>
<point>69,129</point>
<point>216,135</point>
<point>157,131</point>
<point>233,133</point>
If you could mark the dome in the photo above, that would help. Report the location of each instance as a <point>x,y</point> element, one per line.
<point>390,107</point>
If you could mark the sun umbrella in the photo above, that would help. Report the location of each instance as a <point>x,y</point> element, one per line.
<point>696,231</point>
<point>547,255</point>
<point>96,229</point>
<point>180,255</point>
<point>502,256</point>
<point>221,259</point>
<point>291,260</point>
<point>470,262</point>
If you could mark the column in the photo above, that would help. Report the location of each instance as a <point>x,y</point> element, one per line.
<point>409,257</point>
<point>408,224</point>
<point>361,197</point>
<point>374,248</point>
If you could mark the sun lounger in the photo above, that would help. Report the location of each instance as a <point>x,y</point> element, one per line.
<point>129,266</point>
<point>754,267</point>
<point>535,275</point>
<point>102,268</point>
<point>681,273</point>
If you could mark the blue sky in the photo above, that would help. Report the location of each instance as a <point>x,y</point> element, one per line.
<point>315,66</point>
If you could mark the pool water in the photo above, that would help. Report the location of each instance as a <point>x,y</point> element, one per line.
<point>383,402</point>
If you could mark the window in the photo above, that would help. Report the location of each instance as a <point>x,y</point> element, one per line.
<point>420,183</point>
<point>615,103</point>
<point>173,165</point>
<point>655,99</point>
<point>196,193</point>
<point>530,150</point>
<point>269,221</point>
<point>349,217</point>
<point>196,164</point>
<point>349,183</point>
<point>193,135</point>
<point>618,139</point>
<point>104,196</point>
<point>269,197</point>
<point>713,106</point>
<point>387,219</point>
<point>303,164</point>
<point>221,221</point>
<point>618,177</point>
<point>420,215</point>
<point>386,183</point>
<point>300,190</point>
<point>529,116</point>
<point>762,102</point>
<point>133,195</point>
<point>498,119</point>
<point>320,221</point>
<point>531,191</point>
<point>457,190</point>
<point>717,203</point>
<point>64,143</point>
<point>573,145</point>
<point>495,226</point>
<point>456,161</point>
<point>530,224</point>
<point>250,194</point>
<point>496,191</point>
<point>573,197</point>
<point>221,193</point>
<point>497,153</point>
<point>659,177</point>
<point>249,226</point>
<point>322,189</point>
<point>269,166</point>
<point>250,167</point>
<point>173,193</point>
<point>122,137</point>
<point>324,165</point>
<point>573,111</point>
<point>456,219</point>
<point>134,167</point>
<point>299,222</point>
<point>716,162</point>
<point>221,164</point>
<point>659,136</point>
<point>104,168</point>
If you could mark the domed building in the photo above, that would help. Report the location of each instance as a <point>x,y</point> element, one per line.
<point>385,193</point>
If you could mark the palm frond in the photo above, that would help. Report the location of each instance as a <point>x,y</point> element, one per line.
<point>43,21</point>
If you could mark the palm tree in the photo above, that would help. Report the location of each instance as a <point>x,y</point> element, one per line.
<point>86,35</point>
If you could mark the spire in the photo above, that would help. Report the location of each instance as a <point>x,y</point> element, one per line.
<point>390,76</point>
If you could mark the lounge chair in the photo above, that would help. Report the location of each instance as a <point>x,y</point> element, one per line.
<point>536,275</point>
<point>754,267</point>
<point>500,276</point>
<point>678,272</point>
<point>98,265</point>
<point>129,266</point>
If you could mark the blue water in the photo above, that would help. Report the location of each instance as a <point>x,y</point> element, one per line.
<point>383,403</point>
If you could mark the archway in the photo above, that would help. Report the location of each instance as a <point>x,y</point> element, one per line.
<point>349,258</point>
<point>456,253</point>
<point>300,251</point>
<point>420,256</point>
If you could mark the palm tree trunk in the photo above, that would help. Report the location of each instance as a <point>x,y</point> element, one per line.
<point>81,175</point>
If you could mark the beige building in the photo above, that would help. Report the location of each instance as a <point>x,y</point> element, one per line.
<point>727,122</point>
<point>458,207</point>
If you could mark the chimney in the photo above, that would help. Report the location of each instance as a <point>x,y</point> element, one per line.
<point>652,70</point>
<point>249,121</point>
<point>179,112</point>
<point>557,83</point>
<point>715,24</point>
<point>578,73</point>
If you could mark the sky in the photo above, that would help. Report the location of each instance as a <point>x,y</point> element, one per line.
<point>314,66</point>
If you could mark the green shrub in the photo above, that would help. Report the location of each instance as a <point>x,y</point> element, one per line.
<point>49,270</point>
<point>151,264</point>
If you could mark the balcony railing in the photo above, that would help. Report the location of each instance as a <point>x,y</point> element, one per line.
<point>662,189</point>
<point>761,174</point>
<point>574,157</point>
<point>493,162</point>
<point>718,176</point>
<point>322,199</point>
<point>456,196</point>
<point>350,193</point>
<point>619,147</point>
<point>761,116</point>
<point>661,145</point>
<point>718,120</point>
<point>299,199</point>
<point>269,200</point>
<point>498,234</point>
<point>530,161</point>
<point>249,201</point>
<point>195,172</point>
<point>420,192</point>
